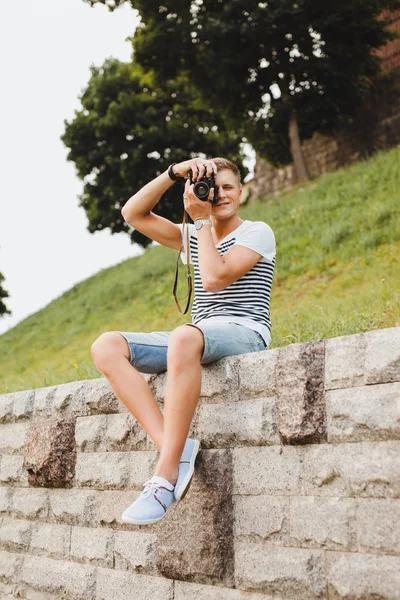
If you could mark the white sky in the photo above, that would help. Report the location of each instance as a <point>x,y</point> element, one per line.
<point>46,49</point>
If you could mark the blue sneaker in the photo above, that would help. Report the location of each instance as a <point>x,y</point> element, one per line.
<point>152,504</point>
<point>186,468</point>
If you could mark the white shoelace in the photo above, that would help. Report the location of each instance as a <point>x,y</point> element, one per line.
<point>151,486</point>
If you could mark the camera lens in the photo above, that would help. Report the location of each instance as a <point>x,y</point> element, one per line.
<point>202,190</point>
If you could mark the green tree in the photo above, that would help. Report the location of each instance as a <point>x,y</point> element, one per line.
<point>3,294</point>
<point>129,130</point>
<point>281,69</point>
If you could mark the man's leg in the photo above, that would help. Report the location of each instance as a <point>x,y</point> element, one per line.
<point>110,353</point>
<point>185,349</point>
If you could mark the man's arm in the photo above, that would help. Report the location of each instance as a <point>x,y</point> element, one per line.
<point>217,272</point>
<point>137,211</point>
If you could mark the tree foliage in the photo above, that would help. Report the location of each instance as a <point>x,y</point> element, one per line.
<point>3,294</point>
<point>129,130</point>
<point>263,63</point>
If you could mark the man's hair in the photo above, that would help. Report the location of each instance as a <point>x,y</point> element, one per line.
<point>224,163</point>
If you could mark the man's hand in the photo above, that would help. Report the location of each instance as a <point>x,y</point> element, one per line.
<point>196,209</point>
<point>198,166</point>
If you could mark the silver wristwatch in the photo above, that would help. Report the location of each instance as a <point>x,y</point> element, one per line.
<point>200,222</point>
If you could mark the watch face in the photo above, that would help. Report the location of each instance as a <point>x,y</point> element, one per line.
<point>199,224</point>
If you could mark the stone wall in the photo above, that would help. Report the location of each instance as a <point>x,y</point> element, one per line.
<point>377,127</point>
<point>295,494</point>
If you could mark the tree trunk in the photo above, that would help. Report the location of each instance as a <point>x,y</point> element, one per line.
<point>297,153</point>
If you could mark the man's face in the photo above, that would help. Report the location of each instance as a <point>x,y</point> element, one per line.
<point>229,194</point>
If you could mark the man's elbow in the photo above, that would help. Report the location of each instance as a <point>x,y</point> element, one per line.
<point>124,213</point>
<point>212,285</point>
<point>128,215</point>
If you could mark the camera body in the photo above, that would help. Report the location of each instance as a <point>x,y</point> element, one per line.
<point>202,187</point>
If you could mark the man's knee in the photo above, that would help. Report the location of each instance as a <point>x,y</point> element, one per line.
<point>108,347</point>
<point>186,343</point>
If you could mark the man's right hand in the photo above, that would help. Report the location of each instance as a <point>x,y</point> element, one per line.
<point>198,166</point>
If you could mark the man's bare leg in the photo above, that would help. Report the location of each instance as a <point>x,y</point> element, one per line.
<point>111,356</point>
<point>185,349</point>
<point>169,431</point>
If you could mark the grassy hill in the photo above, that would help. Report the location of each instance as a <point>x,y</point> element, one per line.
<point>337,273</point>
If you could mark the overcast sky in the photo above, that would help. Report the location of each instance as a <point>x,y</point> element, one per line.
<point>46,49</point>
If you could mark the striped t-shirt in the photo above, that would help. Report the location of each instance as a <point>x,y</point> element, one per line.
<point>247,300</point>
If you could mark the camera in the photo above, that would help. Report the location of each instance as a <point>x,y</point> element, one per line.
<point>202,187</point>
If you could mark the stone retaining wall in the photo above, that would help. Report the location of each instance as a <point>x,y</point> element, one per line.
<point>295,494</point>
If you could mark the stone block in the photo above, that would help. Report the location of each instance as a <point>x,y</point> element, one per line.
<point>360,359</point>
<point>271,470</point>
<point>30,503</point>
<point>73,507</point>
<point>12,437</point>
<point>5,499</point>
<point>368,413</point>
<point>157,385</point>
<point>196,591</point>
<point>135,551</point>
<point>293,573</point>
<point>365,469</point>
<point>10,563</point>
<point>43,401</point>
<point>100,398</point>
<point>114,470</point>
<point>90,433</point>
<point>220,381</point>
<point>382,357</point>
<point>103,470</point>
<point>266,517</point>
<point>92,545</point>
<point>109,506</point>
<point>301,417</point>
<point>23,404</point>
<point>50,540</point>
<point>124,433</point>
<point>6,408</point>
<point>20,590</point>
<point>378,525</point>
<point>7,591</point>
<point>15,535</point>
<point>252,422</point>
<point>50,454</point>
<point>345,361</point>
<point>363,576</point>
<point>119,585</point>
<point>12,470</point>
<point>69,399</point>
<point>323,523</point>
<point>59,577</point>
<point>206,517</point>
<point>257,374</point>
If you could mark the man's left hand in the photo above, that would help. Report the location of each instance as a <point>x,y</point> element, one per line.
<point>196,208</point>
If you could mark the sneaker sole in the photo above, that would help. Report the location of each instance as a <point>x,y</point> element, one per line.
<point>188,479</point>
<point>136,522</point>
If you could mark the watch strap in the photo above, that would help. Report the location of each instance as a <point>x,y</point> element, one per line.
<point>172,174</point>
<point>203,222</point>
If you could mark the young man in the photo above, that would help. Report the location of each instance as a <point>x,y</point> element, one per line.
<point>233,263</point>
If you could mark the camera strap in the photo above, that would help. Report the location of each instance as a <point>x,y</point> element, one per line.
<point>185,228</point>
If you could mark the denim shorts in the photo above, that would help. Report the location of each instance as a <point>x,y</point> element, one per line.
<point>148,351</point>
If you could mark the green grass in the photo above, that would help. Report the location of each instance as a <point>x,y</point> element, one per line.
<point>337,273</point>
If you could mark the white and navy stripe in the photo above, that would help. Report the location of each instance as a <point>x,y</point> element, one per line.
<point>248,297</point>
